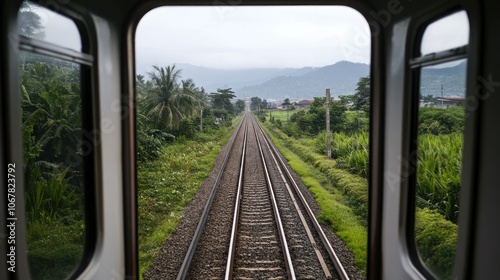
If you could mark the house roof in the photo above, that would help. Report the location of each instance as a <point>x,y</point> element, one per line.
<point>305,102</point>
<point>452,98</point>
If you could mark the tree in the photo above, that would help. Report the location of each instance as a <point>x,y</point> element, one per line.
<point>51,112</point>
<point>287,104</point>
<point>361,99</point>
<point>255,103</point>
<point>240,105</point>
<point>314,120</point>
<point>168,103</point>
<point>201,100</point>
<point>222,99</point>
<point>221,103</point>
<point>29,23</point>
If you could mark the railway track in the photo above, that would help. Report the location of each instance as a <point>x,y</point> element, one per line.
<point>257,224</point>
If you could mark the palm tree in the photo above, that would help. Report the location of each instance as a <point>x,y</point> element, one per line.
<point>222,99</point>
<point>168,103</point>
<point>189,87</point>
<point>221,102</point>
<point>203,102</point>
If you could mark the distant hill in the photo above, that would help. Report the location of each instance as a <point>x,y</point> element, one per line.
<point>212,79</point>
<point>308,82</point>
<point>341,78</point>
<point>452,79</point>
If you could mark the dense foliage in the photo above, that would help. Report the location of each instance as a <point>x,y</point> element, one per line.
<point>53,171</point>
<point>169,108</point>
<point>441,121</point>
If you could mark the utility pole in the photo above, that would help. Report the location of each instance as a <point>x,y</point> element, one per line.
<point>442,96</point>
<point>328,140</point>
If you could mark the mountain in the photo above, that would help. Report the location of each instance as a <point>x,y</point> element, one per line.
<point>451,78</point>
<point>212,79</point>
<point>308,82</point>
<point>341,78</point>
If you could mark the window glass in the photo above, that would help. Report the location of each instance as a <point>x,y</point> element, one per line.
<point>441,118</point>
<point>41,23</point>
<point>279,61</point>
<point>447,33</point>
<point>53,164</point>
<point>53,146</point>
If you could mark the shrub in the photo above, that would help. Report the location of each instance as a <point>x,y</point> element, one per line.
<point>441,121</point>
<point>149,143</point>
<point>187,128</point>
<point>436,240</point>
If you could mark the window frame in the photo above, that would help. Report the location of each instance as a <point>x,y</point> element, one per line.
<point>414,64</point>
<point>86,58</point>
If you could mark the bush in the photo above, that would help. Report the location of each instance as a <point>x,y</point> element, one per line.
<point>436,240</point>
<point>279,123</point>
<point>441,121</point>
<point>187,127</point>
<point>149,143</point>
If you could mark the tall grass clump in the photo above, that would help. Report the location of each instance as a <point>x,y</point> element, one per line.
<point>439,163</point>
<point>349,151</point>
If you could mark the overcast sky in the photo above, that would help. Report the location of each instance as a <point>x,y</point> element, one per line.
<point>251,37</point>
<point>236,37</point>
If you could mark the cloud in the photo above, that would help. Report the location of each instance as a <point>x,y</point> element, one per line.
<point>251,37</point>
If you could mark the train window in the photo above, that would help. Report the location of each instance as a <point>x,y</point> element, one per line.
<point>447,33</point>
<point>441,89</point>
<point>199,67</point>
<point>55,145</point>
<point>40,23</point>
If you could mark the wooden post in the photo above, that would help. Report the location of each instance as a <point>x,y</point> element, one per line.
<point>201,119</point>
<point>328,140</point>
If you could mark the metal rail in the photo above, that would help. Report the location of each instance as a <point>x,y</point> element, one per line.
<point>279,224</point>
<point>201,224</point>
<point>333,256</point>
<point>234,230</point>
<point>283,170</point>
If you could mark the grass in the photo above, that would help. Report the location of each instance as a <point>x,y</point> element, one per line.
<point>438,173</point>
<point>54,248</point>
<point>280,114</point>
<point>168,184</point>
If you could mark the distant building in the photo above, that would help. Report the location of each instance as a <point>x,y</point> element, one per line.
<point>304,104</point>
<point>445,102</point>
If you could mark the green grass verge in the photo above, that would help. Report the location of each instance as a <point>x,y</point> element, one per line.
<point>280,114</point>
<point>169,183</point>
